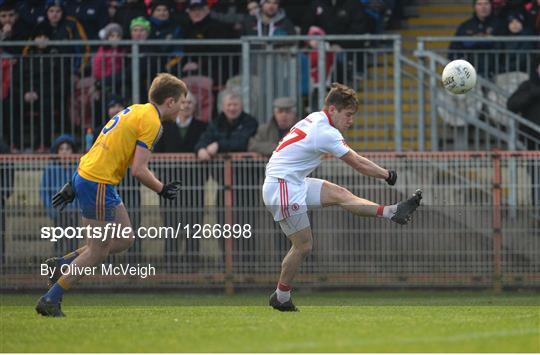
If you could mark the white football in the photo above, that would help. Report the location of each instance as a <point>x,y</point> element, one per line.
<point>459,76</point>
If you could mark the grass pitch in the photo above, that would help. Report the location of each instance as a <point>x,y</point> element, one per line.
<point>328,322</point>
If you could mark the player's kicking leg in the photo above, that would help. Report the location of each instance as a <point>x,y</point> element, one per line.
<point>321,193</point>
<point>401,213</point>
<point>94,253</point>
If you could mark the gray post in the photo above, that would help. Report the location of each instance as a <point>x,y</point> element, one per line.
<point>246,83</point>
<point>269,71</point>
<point>135,73</point>
<point>293,71</point>
<point>432,90</point>
<point>512,136</point>
<point>421,108</point>
<point>397,96</point>
<point>321,66</point>
<point>421,103</point>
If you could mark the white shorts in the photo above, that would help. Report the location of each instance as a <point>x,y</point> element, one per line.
<point>284,199</point>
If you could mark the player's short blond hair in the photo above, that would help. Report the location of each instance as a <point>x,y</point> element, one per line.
<point>342,97</point>
<point>166,85</point>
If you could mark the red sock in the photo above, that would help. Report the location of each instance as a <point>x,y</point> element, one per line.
<point>283,287</point>
<point>380,211</point>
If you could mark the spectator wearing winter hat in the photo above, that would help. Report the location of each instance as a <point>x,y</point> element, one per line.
<point>108,62</point>
<point>139,30</point>
<point>92,14</point>
<point>270,20</point>
<point>58,172</point>
<point>162,25</point>
<point>516,54</point>
<point>164,28</point>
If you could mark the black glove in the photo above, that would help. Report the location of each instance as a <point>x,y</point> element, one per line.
<point>170,190</point>
<point>392,177</point>
<point>64,196</point>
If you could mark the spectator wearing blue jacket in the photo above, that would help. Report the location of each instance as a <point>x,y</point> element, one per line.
<point>482,24</point>
<point>56,174</point>
<point>165,28</point>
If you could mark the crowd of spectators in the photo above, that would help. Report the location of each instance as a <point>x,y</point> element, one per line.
<point>500,18</point>
<point>97,71</point>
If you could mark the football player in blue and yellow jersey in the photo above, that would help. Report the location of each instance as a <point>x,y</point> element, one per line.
<point>128,138</point>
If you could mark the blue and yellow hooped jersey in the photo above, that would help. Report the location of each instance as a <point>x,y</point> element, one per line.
<point>108,159</point>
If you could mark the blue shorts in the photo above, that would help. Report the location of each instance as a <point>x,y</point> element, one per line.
<point>97,201</point>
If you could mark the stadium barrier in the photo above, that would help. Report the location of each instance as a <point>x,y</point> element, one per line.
<point>478,226</point>
<point>480,119</point>
<point>67,90</point>
<point>397,110</point>
<point>490,55</point>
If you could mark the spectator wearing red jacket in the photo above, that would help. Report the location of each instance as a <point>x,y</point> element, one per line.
<point>314,54</point>
<point>108,62</point>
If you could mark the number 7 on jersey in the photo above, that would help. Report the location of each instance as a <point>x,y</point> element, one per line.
<point>295,135</point>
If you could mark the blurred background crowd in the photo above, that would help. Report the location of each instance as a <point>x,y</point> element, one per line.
<point>95,70</point>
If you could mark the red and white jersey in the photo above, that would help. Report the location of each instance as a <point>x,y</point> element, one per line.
<point>300,151</point>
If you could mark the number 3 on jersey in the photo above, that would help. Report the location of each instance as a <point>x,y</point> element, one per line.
<point>293,136</point>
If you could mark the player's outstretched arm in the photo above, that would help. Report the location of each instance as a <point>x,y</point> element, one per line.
<point>365,166</point>
<point>140,171</point>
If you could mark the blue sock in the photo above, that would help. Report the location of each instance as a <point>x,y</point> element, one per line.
<point>67,259</point>
<point>55,293</point>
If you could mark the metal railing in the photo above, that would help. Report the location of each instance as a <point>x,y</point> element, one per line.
<point>479,119</point>
<point>490,55</point>
<point>44,95</point>
<point>48,92</point>
<point>479,225</point>
<point>72,98</point>
<point>289,66</point>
